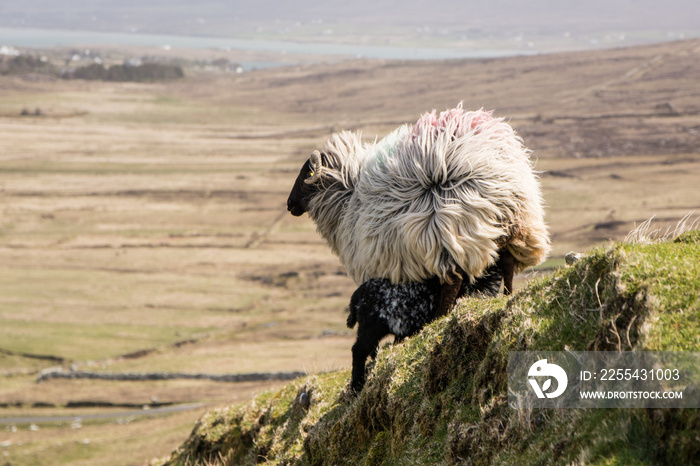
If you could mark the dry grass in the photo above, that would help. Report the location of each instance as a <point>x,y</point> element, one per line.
<point>648,232</point>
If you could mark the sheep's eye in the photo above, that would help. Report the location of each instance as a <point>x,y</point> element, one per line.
<point>311,173</point>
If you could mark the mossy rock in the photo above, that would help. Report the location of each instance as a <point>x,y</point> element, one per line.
<point>441,396</point>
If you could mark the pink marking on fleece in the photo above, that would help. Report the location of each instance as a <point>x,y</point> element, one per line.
<point>456,120</point>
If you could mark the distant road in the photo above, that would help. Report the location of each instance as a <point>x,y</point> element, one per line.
<point>99,416</point>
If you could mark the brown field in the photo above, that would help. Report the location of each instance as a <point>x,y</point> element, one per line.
<point>150,218</point>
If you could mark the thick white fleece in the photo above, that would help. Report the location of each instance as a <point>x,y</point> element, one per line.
<point>450,190</point>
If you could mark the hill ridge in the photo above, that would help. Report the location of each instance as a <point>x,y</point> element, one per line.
<point>441,397</point>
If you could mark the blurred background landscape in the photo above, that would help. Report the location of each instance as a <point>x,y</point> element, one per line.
<point>147,150</point>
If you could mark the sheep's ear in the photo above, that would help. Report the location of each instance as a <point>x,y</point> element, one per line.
<point>316,167</point>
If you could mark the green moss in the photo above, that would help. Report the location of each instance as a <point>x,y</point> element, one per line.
<point>441,396</point>
<point>692,236</point>
<point>274,425</point>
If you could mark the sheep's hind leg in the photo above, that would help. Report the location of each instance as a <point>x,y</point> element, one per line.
<point>450,291</point>
<point>506,262</point>
<point>368,337</point>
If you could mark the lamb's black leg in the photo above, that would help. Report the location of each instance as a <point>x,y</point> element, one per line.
<point>450,292</point>
<point>506,262</point>
<point>368,337</point>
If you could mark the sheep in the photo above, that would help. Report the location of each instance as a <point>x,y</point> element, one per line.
<point>445,197</point>
<point>380,307</point>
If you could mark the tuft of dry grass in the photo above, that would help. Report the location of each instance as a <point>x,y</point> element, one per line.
<point>647,232</point>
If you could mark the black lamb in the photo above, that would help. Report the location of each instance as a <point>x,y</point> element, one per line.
<point>382,308</point>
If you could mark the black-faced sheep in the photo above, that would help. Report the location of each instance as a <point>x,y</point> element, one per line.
<point>380,308</point>
<point>445,197</point>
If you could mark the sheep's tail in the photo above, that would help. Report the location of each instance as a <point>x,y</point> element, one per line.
<point>352,317</point>
<point>356,302</point>
<point>529,244</point>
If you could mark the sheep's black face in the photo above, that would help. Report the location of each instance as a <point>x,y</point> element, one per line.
<point>302,192</point>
